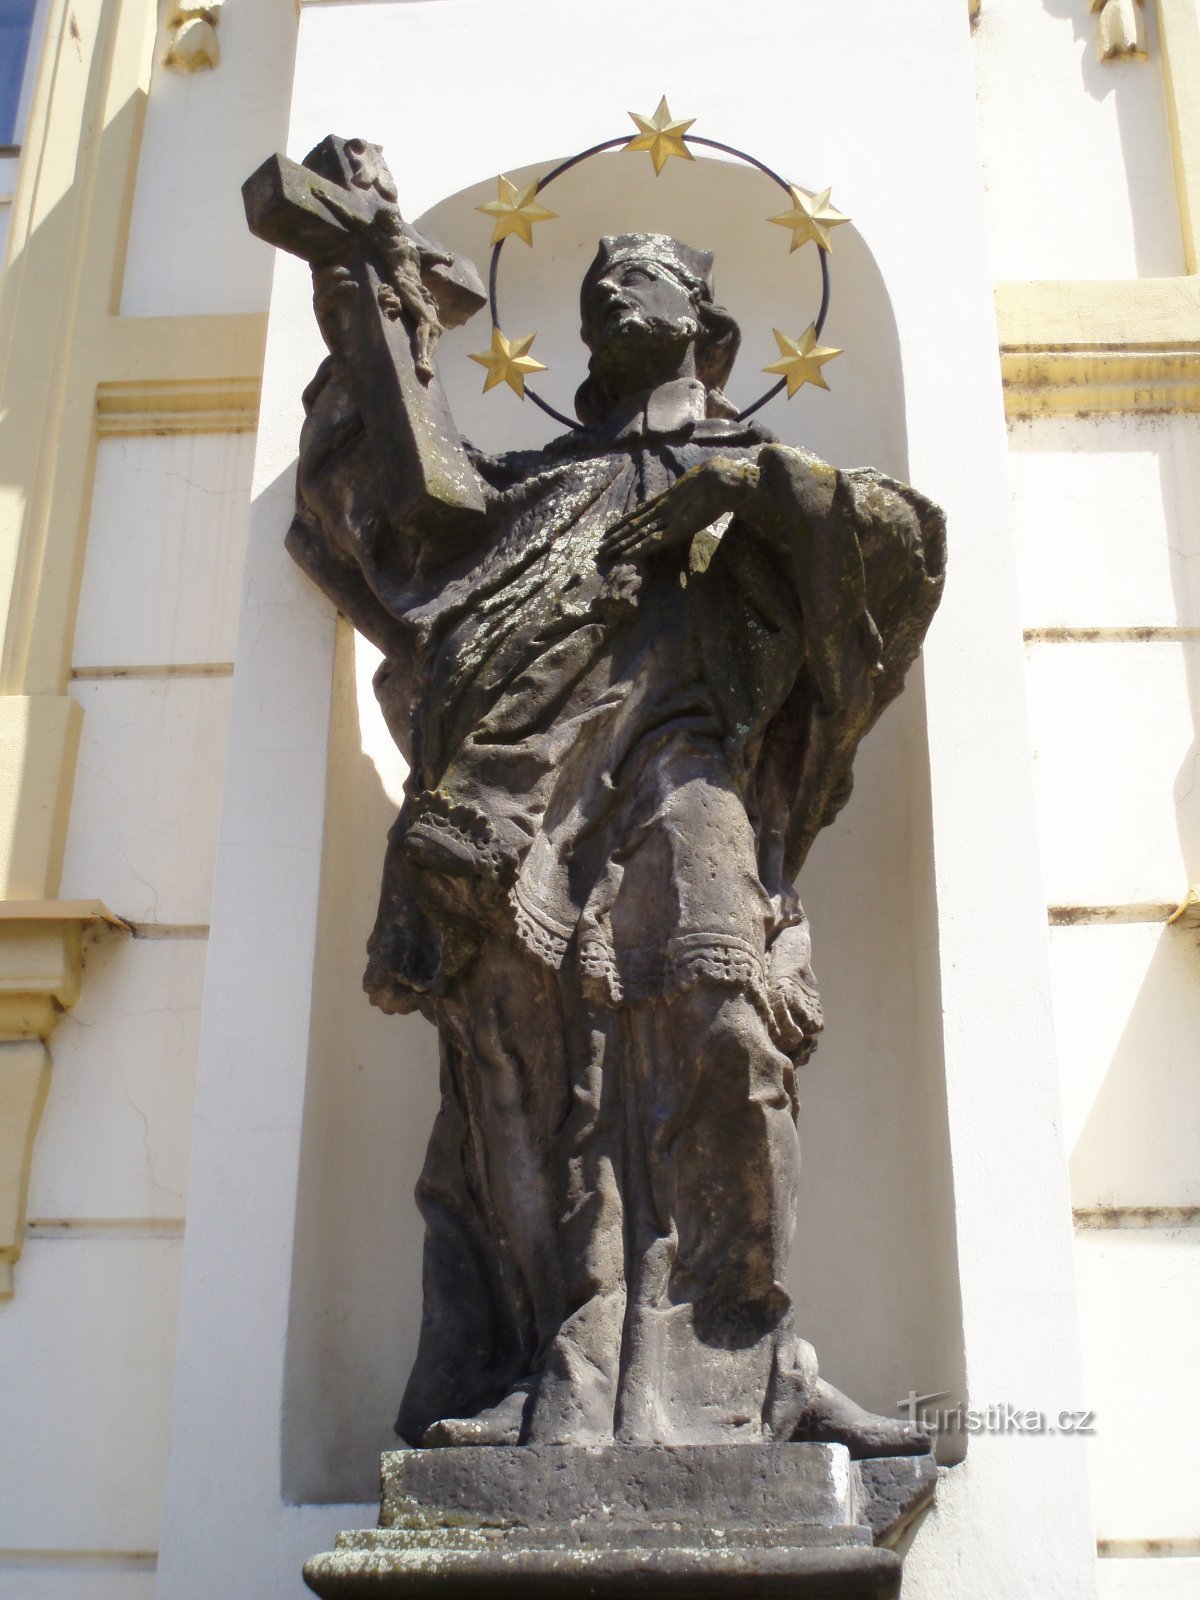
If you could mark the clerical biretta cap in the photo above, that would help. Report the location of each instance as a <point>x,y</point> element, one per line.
<point>694,268</point>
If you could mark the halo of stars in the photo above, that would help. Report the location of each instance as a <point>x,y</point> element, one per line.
<point>516,212</point>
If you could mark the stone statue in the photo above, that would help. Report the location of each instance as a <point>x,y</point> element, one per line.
<point>629,672</point>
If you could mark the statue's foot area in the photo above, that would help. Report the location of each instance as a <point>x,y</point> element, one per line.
<point>499,1424</point>
<point>833,1418</point>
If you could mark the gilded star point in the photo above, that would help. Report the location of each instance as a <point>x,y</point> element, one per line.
<point>802,360</point>
<point>508,361</point>
<point>811,217</point>
<point>662,135</point>
<point>515,211</point>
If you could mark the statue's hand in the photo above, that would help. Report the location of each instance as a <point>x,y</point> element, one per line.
<point>673,518</point>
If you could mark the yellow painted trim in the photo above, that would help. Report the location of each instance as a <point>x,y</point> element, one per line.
<point>38,911</point>
<point>41,968</point>
<point>73,370</point>
<point>1092,346</point>
<point>200,347</point>
<point>1179,25</point>
<point>1154,313</point>
<point>179,374</point>
<point>63,284</point>
<point>39,737</point>
<point>177,405</point>
<point>24,1084</point>
<point>1074,382</point>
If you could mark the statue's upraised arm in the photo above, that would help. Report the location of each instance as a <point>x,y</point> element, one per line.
<point>337,210</point>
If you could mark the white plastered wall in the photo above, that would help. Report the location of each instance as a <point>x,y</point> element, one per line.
<point>87,1344</point>
<point>1106,528</point>
<point>1077,156</point>
<point>1077,171</point>
<point>83,1449</point>
<point>1014,1521</point>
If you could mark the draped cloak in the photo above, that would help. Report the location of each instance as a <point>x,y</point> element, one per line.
<point>617,769</point>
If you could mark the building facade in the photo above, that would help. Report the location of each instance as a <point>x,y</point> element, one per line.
<point>209,1256</point>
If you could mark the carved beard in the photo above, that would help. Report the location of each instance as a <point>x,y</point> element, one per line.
<point>639,350</point>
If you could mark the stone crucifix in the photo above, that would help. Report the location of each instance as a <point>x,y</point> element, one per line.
<point>397,291</point>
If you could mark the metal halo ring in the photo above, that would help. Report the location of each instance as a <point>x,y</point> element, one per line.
<point>623,140</point>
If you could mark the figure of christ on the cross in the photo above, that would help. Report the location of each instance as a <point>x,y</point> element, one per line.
<point>629,672</point>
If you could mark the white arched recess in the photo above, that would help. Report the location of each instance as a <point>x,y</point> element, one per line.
<point>934,1242</point>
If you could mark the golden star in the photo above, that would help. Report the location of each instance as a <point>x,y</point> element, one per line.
<point>811,217</point>
<point>803,359</point>
<point>515,211</point>
<point>508,361</point>
<point>661,136</point>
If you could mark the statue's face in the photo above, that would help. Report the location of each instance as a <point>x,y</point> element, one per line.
<point>640,324</point>
<point>634,293</point>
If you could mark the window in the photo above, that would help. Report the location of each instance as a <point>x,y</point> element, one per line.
<point>16,26</point>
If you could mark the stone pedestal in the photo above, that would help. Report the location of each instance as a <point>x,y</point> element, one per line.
<point>550,1521</point>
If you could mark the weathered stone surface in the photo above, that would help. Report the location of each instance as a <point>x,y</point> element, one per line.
<point>597,1490</point>
<point>893,1491</point>
<point>383,1570</point>
<point>630,673</point>
<point>615,1520</point>
<point>391,291</point>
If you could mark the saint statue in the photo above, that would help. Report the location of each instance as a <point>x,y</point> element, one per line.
<point>629,682</point>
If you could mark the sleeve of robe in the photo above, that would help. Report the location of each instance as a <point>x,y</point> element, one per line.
<point>875,577</point>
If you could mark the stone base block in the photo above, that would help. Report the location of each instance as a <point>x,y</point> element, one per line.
<point>543,1522</point>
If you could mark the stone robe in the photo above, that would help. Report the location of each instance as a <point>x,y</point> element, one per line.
<point>616,771</point>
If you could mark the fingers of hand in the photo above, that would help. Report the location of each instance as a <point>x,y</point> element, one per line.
<point>636,534</point>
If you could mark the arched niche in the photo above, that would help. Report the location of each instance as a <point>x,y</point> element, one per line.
<point>874,1268</point>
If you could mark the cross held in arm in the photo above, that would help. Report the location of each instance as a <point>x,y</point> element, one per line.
<point>337,210</point>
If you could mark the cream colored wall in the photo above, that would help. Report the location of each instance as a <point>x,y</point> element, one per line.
<point>1106,527</point>
<point>1077,151</point>
<point>125,516</point>
<point>93,1317</point>
<point>1081,172</point>
<point>9,165</point>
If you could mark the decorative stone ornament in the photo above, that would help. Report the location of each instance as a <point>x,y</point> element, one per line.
<point>194,45</point>
<point>1120,29</point>
<point>630,672</point>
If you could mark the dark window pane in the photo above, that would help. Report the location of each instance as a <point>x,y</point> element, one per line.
<point>16,17</point>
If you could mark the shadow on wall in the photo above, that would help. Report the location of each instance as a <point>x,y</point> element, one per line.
<point>874,1267</point>
<point>1137,90</point>
<point>1179,474</point>
<point>1139,1144</point>
<point>1110,540</point>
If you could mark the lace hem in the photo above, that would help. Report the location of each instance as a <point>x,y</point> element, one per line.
<point>539,932</point>
<point>653,974</point>
<point>447,836</point>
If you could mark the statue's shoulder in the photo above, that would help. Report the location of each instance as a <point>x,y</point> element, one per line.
<point>732,434</point>
<point>506,467</point>
<point>874,492</point>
